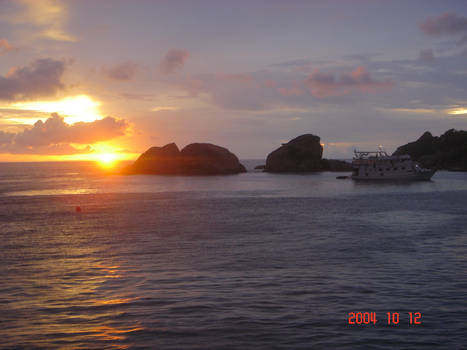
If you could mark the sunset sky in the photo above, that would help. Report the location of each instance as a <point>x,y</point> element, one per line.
<point>108,79</point>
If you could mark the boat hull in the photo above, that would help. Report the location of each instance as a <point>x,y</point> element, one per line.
<point>414,176</point>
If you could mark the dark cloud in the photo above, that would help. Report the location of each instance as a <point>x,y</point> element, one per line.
<point>426,56</point>
<point>39,79</point>
<point>329,84</point>
<point>54,136</point>
<point>122,72</point>
<point>445,24</point>
<point>174,60</point>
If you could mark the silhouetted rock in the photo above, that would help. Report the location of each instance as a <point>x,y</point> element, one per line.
<point>158,160</point>
<point>448,151</point>
<point>194,159</point>
<point>302,154</point>
<point>209,159</point>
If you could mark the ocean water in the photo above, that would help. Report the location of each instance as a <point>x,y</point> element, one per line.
<point>250,261</point>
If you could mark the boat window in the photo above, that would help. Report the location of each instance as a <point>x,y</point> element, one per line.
<point>387,169</point>
<point>380,169</point>
<point>403,168</point>
<point>396,168</point>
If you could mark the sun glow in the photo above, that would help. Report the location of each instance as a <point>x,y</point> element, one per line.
<point>458,111</point>
<point>81,108</point>
<point>107,159</point>
<point>107,155</point>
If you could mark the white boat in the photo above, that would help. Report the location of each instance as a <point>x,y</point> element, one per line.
<point>381,166</point>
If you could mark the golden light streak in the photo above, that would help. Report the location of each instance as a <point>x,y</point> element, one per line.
<point>81,108</point>
<point>20,121</point>
<point>98,157</point>
<point>414,110</point>
<point>114,333</point>
<point>458,111</point>
<point>115,301</point>
<point>164,108</point>
<point>119,156</point>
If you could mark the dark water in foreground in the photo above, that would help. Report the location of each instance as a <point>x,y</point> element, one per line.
<point>254,261</point>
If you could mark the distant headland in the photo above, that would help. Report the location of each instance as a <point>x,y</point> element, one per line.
<point>447,152</point>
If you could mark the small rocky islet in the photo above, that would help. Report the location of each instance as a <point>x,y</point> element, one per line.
<point>303,154</point>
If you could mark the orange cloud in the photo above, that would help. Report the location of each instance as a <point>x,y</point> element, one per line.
<point>54,136</point>
<point>5,46</point>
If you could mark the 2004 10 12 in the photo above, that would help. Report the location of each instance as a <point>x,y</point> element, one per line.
<point>393,318</point>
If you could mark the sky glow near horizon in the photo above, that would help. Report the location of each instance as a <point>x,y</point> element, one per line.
<point>109,79</point>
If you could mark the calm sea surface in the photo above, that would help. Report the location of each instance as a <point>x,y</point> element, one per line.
<point>251,261</point>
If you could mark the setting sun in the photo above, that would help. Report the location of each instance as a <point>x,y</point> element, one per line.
<point>106,159</point>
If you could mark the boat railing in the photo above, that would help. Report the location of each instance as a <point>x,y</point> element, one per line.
<point>370,154</point>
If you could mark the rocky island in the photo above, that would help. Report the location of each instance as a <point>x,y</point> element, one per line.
<point>300,155</point>
<point>447,152</point>
<point>194,159</point>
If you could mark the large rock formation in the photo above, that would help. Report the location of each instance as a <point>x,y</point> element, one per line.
<point>448,151</point>
<point>302,154</point>
<point>194,159</point>
<point>209,159</point>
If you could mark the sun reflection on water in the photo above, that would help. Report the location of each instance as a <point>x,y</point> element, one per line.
<point>71,299</point>
<point>114,333</point>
